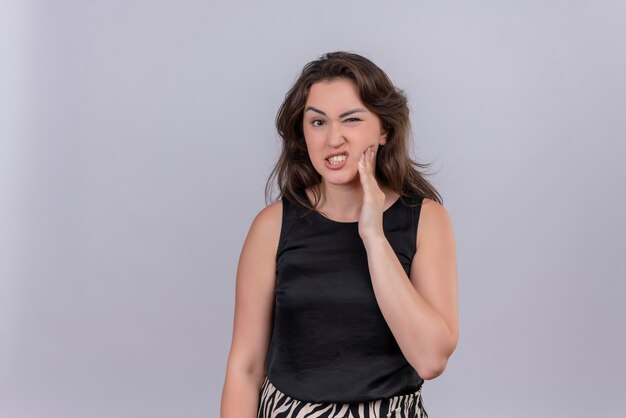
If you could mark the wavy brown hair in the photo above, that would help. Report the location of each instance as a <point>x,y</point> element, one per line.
<point>294,171</point>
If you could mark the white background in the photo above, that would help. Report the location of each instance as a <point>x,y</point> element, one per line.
<point>136,138</point>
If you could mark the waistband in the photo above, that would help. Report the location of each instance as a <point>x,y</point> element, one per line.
<point>273,402</point>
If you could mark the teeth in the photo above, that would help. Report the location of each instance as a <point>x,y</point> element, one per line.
<point>337,159</point>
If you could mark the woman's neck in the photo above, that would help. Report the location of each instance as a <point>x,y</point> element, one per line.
<point>343,201</point>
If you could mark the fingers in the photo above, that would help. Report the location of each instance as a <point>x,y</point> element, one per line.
<point>366,168</point>
<point>367,159</point>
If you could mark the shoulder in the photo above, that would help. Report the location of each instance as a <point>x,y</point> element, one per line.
<point>434,222</point>
<point>262,239</point>
<point>268,220</point>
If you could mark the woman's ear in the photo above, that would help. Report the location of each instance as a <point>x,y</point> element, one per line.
<point>383,138</point>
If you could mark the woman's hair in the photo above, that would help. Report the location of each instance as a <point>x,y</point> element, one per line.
<point>394,167</point>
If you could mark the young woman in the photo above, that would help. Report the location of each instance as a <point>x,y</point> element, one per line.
<point>346,293</point>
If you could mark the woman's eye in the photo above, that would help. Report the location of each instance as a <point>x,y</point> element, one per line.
<point>314,122</point>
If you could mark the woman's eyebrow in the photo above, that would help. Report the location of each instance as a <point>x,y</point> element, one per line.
<point>349,112</point>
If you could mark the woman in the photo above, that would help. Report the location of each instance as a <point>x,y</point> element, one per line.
<point>343,305</point>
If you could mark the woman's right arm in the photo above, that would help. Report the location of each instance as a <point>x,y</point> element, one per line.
<point>252,326</point>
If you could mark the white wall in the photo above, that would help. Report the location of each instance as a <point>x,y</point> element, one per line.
<point>135,143</point>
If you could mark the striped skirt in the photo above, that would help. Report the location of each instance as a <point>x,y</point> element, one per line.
<point>275,404</point>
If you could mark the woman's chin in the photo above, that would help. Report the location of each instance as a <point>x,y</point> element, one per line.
<point>342,178</point>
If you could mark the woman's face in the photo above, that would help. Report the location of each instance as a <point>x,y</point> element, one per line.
<point>335,121</point>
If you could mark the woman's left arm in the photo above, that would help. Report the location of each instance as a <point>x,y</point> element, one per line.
<point>422,312</point>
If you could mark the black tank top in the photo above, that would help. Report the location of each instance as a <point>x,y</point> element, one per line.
<point>330,341</point>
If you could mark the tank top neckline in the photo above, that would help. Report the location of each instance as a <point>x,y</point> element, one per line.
<point>319,215</point>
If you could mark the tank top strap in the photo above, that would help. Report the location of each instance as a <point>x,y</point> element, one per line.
<point>415,212</point>
<point>289,216</point>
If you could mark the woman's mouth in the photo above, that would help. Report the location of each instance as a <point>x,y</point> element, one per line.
<point>336,161</point>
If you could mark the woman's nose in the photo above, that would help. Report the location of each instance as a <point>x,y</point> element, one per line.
<point>335,135</point>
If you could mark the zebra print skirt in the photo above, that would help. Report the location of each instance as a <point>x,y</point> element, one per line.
<point>275,404</point>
